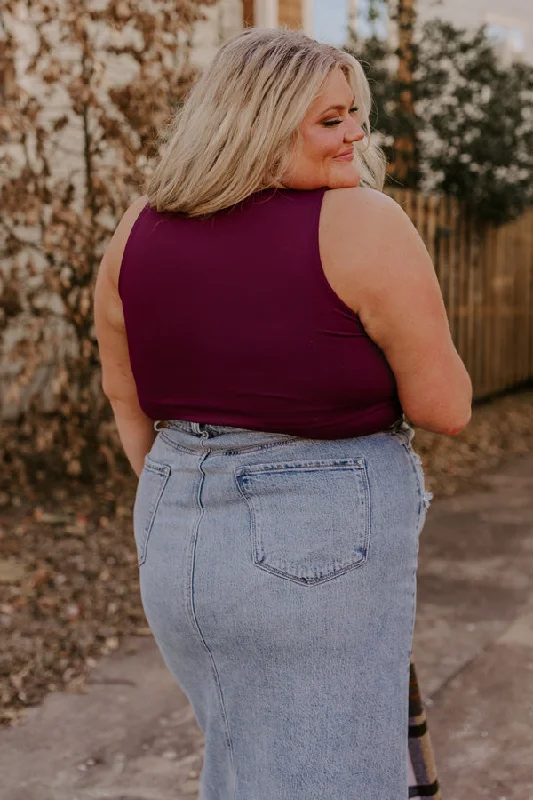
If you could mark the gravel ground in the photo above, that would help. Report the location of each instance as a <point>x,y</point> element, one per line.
<point>69,587</point>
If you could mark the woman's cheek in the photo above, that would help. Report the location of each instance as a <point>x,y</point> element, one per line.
<point>325,145</point>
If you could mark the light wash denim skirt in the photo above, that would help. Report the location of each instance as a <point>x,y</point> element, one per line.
<point>278,575</point>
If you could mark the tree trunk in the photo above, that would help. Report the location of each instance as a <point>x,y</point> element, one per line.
<point>405,162</point>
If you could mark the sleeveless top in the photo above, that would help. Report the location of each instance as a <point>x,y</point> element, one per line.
<point>230,320</point>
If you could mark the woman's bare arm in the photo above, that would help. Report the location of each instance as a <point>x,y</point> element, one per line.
<point>384,273</point>
<point>135,429</point>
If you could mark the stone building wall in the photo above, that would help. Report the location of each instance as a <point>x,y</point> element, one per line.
<point>223,21</point>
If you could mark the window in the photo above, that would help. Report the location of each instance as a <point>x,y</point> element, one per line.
<point>331,21</point>
<point>371,18</point>
<point>508,37</point>
<point>333,18</point>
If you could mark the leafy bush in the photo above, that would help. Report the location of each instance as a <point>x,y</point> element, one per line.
<point>472,120</point>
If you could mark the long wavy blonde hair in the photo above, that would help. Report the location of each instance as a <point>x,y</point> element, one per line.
<point>236,130</point>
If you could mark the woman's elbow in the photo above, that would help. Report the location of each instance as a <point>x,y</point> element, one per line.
<point>459,426</point>
<point>446,424</point>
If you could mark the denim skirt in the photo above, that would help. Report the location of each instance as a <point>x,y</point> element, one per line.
<point>278,575</point>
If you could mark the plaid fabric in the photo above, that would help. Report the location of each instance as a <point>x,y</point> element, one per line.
<point>422,773</point>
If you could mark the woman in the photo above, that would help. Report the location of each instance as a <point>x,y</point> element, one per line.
<point>275,314</point>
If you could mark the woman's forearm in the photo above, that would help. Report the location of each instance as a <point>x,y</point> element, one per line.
<point>136,432</point>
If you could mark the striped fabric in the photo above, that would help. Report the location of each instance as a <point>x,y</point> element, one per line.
<point>422,773</point>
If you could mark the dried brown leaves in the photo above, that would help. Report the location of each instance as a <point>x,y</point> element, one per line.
<point>77,131</point>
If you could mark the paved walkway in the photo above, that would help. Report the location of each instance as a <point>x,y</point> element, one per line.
<point>132,735</point>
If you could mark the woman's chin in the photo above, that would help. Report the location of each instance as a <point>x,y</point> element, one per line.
<point>344,175</point>
<point>345,182</point>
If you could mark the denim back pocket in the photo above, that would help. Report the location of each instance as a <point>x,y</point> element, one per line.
<point>309,520</point>
<point>152,482</point>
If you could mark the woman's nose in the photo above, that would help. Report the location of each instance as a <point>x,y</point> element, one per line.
<point>355,133</point>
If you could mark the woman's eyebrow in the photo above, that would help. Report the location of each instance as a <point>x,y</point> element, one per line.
<point>337,108</point>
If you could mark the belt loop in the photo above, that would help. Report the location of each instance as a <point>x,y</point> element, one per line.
<point>398,425</point>
<point>157,422</point>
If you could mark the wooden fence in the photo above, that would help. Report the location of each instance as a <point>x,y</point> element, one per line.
<point>486,278</point>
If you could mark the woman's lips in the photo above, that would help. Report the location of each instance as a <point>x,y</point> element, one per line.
<point>346,156</point>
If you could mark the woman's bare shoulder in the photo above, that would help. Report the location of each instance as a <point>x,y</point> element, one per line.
<point>368,204</point>
<point>368,245</point>
<point>113,256</point>
<point>362,227</point>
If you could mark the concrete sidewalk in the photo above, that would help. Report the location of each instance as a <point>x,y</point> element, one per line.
<point>132,735</point>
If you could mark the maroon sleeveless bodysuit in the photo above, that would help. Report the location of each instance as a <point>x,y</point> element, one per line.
<point>230,320</point>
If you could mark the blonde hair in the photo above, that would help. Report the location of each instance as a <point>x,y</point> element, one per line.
<point>235,132</point>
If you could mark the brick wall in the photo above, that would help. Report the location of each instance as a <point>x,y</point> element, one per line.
<point>224,20</point>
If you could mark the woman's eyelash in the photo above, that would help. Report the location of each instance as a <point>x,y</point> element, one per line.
<point>331,122</point>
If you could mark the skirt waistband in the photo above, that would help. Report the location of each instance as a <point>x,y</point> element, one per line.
<point>206,429</point>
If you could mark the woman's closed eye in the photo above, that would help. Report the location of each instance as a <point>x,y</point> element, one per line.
<point>332,122</point>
